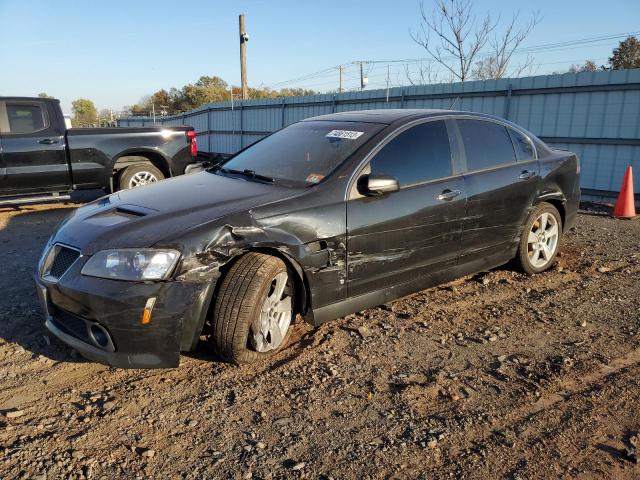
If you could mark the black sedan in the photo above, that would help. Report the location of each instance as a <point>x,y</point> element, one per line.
<point>323,218</point>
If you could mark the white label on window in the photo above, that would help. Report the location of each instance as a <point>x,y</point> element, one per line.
<point>350,134</point>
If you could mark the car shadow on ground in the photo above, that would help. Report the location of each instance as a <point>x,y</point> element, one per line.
<point>24,231</point>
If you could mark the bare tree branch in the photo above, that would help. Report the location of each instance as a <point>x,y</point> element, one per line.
<point>424,76</point>
<point>502,48</point>
<point>453,36</point>
<point>465,45</point>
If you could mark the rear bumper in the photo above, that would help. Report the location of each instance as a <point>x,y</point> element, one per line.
<point>77,306</point>
<point>571,208</point>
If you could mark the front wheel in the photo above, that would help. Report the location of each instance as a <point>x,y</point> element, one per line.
<point>540,239</point>
<point>253,309</point>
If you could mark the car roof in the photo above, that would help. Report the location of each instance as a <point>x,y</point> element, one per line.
<point>28,99</point>
<point>389,116</point>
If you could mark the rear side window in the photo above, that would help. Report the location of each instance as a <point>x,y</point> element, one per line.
<point>486,144</point>
<point>417,155</point>
<point>25,118</point>
<point>523,146</point>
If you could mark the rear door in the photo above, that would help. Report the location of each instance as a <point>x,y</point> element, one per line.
<point>33,148</point>
<point>407,235</point>
<point>500,185</point>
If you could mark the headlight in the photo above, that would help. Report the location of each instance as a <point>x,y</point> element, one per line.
<point>132,264</point>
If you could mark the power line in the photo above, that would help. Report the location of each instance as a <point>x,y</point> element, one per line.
<point>550,47</point>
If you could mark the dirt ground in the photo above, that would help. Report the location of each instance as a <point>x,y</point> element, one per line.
<point>499,375</point>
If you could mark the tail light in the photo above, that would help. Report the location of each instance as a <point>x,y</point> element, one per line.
<point>193,143</point>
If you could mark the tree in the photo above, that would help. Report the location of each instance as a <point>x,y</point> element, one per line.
<point>84,113</point>
<point>137,111</point>
<point>162,101</point>
<point>589,66</point>
<point>105,117</point>
<point>207,89</point>
<point>44,95</point>
<point>455,38</point>
<point>626,55</point>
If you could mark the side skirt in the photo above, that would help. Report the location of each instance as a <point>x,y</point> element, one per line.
<point>427,280</point>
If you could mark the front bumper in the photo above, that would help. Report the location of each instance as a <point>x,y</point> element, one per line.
<point>76,306</point>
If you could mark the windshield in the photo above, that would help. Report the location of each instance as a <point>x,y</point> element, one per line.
<point>303,153</point>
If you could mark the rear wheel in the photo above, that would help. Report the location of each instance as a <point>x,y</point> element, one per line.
<point>540,239</point>
<point>253,310</point>
<point>138,175</point>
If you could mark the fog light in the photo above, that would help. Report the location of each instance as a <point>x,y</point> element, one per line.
<point>99,336</point>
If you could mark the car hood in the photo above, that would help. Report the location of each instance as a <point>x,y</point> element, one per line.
<point>143,216</point>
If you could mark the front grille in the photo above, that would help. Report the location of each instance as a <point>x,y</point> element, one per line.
<point>71,324</point>
<point>58,261</point>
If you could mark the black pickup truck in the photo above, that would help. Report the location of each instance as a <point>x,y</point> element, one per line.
<point>39,156</point>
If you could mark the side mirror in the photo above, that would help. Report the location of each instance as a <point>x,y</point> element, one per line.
<point>372,184</point>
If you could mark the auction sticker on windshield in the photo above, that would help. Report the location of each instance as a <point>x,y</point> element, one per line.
<point>350,134</point>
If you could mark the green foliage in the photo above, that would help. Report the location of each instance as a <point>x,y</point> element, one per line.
<point>205,90</point>
<point>44,95</point>
<point>626,55</point>
<point>84,113</point>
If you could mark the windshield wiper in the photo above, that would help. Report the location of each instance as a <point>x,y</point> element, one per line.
<point>249,174</point>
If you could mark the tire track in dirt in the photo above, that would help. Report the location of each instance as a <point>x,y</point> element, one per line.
<point>562,390</point>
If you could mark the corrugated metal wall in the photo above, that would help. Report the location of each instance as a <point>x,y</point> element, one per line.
<point>595,114</point>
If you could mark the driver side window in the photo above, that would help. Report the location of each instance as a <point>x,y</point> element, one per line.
<point>417,155</point>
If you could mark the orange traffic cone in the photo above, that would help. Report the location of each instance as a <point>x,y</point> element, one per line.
<point>625,206</point>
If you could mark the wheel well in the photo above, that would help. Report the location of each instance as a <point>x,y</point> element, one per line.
<point>155,159</point>
<point>559,204</point>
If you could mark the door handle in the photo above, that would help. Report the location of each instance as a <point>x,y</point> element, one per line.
<point>48,141</point>
<point>526,175</point>
<point>448,194</point>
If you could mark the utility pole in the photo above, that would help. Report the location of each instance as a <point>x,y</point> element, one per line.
<point>153,109</point>
<point>387,83</point>
<point>244,38</point>
<point>363,80</point>
<point>340,68</point>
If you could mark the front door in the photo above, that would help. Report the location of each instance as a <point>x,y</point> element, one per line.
<point>33,149</point>
<point>408,235</point>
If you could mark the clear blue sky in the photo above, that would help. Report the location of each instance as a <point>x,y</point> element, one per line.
<point>115,51</point>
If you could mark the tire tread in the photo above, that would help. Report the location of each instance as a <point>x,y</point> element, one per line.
<point>237,302</point>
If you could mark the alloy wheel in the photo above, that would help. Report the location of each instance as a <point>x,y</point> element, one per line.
<point>542,241</point>
<point>269,330</point>
<point>142,178</point>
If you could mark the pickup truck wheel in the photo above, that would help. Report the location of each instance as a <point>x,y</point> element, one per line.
<point>540,239</point>
<point>138,175</point>
<point>253,311</point>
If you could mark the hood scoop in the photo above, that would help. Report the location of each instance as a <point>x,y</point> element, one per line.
<point>120,214</point>
<point>134,210</point>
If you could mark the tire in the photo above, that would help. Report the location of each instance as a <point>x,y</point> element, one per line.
<point>246,297</point>
<point>138,175</point>
<point>537,250</point>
